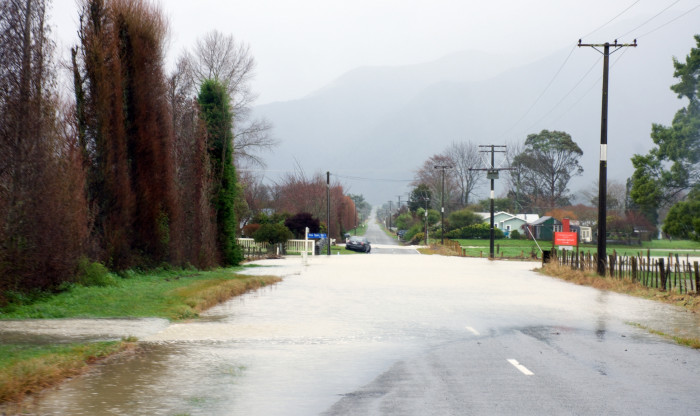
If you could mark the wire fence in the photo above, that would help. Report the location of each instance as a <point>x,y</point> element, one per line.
<point>666,273</point>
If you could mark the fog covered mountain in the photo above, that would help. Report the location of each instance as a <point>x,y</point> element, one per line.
<point>381,123</point>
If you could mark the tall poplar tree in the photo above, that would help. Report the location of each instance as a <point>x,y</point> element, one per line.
<point>125,128</point>
<point>216,112</point>
<point>42,217</point>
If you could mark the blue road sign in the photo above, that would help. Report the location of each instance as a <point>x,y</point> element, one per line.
<point>317,235</point>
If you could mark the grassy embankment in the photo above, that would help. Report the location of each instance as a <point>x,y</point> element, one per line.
<point>360,230</point>
<point>174,295</point>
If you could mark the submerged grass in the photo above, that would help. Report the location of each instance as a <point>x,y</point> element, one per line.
<point>165,294</point>
<point>688,342</point>
<point>687,301</point>
<point>26,369</point>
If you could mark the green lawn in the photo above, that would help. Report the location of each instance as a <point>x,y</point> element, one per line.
<point>166,294</point>
<point>514,248</point>
<point>360,230</point>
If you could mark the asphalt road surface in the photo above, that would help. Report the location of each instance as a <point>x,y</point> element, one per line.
<point>382,243</point>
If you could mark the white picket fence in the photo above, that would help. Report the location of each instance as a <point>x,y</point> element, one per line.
<point>295,246</point>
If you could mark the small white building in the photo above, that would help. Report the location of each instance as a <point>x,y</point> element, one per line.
<point>507,222</point>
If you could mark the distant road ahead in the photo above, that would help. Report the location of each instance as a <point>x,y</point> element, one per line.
<point>382,243</point>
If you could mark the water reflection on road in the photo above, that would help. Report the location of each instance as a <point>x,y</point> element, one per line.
<point>332,326</point>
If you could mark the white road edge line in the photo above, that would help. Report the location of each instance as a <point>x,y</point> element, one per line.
<point>473,331</point>
<point>521,367</point>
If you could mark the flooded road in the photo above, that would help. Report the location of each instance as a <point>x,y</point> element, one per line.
<point>383,243</point>
<point>403,335</point>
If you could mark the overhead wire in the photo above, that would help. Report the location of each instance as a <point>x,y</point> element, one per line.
<point>561,67</point>
<point>611,20</point>
<point>554,107</point>
<point>542,93</point>
<point>358,178</point>
<point>650,19</point>
<point>669,22</point>
<point>618,58</point>
<point>572,106</point>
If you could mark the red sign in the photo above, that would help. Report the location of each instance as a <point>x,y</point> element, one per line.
<point>565,239</point>
<point>565,225</point>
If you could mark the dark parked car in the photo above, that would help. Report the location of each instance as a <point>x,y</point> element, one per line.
<point>356,243</point>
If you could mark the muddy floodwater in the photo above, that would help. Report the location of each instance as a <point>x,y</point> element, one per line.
<point>331,327</point>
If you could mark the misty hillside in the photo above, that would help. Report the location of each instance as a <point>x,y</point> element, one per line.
<point>383,122</point>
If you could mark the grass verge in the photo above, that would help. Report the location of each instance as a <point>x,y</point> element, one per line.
<point>525,248</point>
<point>166,294</point>
<point>29,369</point>
<point>360,230</point>
<point>437,249</point>
<point>689,302</point>
<point>688,342</point>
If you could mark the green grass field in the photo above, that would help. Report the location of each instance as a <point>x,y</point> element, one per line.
<point>360,230</point>
<point>514,248</point>
<point>165,294</point>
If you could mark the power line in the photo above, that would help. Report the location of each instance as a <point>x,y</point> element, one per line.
<point>610,21</point>
<point>542,93</point>
<point>567,94</point>
<point>572,106</point>
<point>559,71</point>
<point>358,178</point>
<point>650,19</point>
<point>585,94</point>
<point>669,22</point>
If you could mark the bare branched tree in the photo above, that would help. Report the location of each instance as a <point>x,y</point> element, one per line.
<point>432,177</point>
<point>220,57</point>
<point>465,156</point>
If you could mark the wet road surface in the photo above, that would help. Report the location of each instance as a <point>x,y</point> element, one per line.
<point>402,335</point>
<point>381,242</point>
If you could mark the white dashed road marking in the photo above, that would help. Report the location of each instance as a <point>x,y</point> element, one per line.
<point>472,330</point>
<point>521,367</point>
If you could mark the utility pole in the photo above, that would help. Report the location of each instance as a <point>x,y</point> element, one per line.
<point>442,210</point>
<point>492,174</point>
<point>603,173</point>
<point>426,199</point>
<point>328,210</point>
<point>355,219</point>
<point>389,215</point>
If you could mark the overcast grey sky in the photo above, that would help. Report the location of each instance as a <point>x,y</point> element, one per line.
<point>303,45</point>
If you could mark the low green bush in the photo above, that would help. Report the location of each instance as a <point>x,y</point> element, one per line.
<point>481,230</point>
<point>417,238</point>
<point>411,232</point>
<point>92,273</point>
